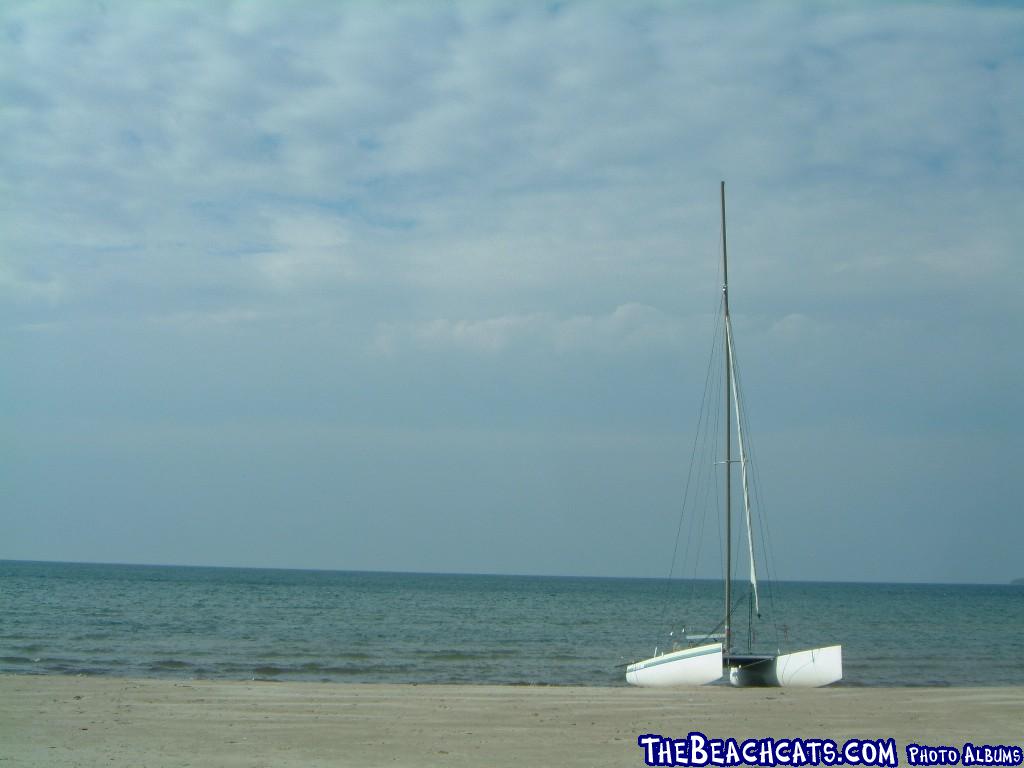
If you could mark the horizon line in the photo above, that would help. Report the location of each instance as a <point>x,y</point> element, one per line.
<point>1011,582</point>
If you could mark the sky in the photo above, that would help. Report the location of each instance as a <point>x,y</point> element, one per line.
<point>430,286</point>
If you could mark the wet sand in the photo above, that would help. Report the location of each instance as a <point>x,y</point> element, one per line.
<point>93,721</point>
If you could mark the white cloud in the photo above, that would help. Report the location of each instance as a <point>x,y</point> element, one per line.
<point>629,326</point>
<point>490,335</point>
<point>797,328</point>
<point>24,288</point>
<point>216,318</point>
<point>307,248</point>
<point>517,148</point>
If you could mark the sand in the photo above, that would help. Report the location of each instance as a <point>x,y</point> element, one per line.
<point>91,721</point>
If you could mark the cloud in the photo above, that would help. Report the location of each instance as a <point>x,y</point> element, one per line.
<point>627,327</point>
<point>307,248</point>
<point>513,149</point>
<point>206,320</point>
<point>798,329</point>
<point>24,288</point>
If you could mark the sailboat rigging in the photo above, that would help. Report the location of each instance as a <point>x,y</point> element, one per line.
<point>707,662</point>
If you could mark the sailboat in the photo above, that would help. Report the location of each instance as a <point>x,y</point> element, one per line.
<point>706,662</point>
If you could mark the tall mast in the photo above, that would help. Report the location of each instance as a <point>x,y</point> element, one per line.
<point>728,438</point>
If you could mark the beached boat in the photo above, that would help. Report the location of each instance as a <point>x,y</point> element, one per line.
<point>707,658</point>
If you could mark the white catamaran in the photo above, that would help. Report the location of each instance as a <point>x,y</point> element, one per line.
<point>707,662</point>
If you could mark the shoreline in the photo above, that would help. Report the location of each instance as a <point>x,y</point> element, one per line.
<point>623,686</point>
<point>61,720</point>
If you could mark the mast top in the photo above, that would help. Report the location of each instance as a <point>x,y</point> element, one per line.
<point>725,254</point>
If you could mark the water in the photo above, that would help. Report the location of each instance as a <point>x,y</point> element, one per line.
<point>177,622</point>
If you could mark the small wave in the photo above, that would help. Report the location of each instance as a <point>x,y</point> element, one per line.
<point>449,654</point>
<point>266,670</point>
<point>168,664</point>
<point>353,656</point>
<point>17,660</point>
<point>332,671</point>
<point>316,667</point>
<point>78,670</point>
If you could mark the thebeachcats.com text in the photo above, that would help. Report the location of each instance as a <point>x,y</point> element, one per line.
<point>696,749</point>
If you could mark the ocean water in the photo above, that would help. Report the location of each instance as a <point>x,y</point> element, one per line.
<point>227,623</point>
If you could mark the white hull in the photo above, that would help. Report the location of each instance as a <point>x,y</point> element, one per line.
<point>804,669</point>
<point>691,666</point>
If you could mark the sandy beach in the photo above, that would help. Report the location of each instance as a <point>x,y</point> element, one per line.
<point>91,721</point>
